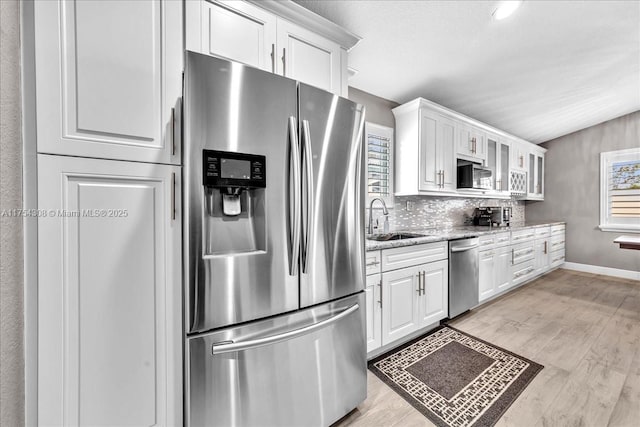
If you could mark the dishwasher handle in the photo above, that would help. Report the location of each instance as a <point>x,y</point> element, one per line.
<point>464,248</point>
<point>228,347</point>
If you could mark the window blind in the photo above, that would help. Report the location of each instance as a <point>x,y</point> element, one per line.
<point>378,159</point>
<point>624,190</point>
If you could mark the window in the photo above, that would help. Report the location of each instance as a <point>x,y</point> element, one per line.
<point>379,158</point>
<point>620,190</point>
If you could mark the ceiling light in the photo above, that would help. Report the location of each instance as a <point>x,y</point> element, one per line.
<point>506,8</point>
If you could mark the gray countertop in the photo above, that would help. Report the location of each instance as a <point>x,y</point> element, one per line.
<point>437,235</point>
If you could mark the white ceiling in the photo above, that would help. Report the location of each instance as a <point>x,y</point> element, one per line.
<point>550,69</point>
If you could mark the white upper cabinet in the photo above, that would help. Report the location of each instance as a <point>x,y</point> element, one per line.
<point>308,57</point>
<point>535,173</point>
<point>109,79</point>
<point>498,160</point>
<point>279,37</point>
<point>425,151</point>
<point>233,30</point>
<point>519,153</point>
<point>472,144</point>
<point>430,139</point>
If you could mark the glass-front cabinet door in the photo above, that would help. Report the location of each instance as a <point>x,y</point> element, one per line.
<point>498,161</point>
<point>535,175</point>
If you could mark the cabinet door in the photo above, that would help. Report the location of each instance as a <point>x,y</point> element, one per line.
<point>542,256</point>
<point>109,293</point>
<point>373,300</point>
<point>445,152</point>
<point>109,79</point>
<point>472,144</point>
<point>430,172</point>
<point>502,268</point>
<point>487,275</point>
<point>434,301</point>
<point>240,32</point>
<point>308,57</point>
<point>502,177</point>
<point>399,308</point>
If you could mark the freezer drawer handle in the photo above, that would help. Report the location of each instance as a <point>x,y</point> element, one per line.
<point>260,342</point>
<point>463,248</point>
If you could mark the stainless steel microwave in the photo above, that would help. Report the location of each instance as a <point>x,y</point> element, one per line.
<point>474,175</point>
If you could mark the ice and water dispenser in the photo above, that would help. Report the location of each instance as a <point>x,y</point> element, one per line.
<point>234,192</point>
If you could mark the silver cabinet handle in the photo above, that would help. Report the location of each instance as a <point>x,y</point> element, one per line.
<point>220,348</point>
<point>173,196</point>
<point>294,159</point>
<point>284,61</point>
<point>173,131</point>
<point>512,255</point>
<point>545,247</point>
<point>424,280</point>
<point>419,276</point>
<point>307,166</point>
<point>371,264</point>
<point>273,57</point>
<point>380,288</point>
<point>442,178</point>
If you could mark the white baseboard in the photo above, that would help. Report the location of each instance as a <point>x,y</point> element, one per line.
<point>607,271</point>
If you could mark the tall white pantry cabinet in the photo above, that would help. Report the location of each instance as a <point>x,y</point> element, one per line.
<point>108,87</point>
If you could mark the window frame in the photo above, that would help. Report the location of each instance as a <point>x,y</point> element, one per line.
<point>382,131</point>
<point>607,223</point>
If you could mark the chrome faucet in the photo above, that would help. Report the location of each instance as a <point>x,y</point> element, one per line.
<point>384,212</point>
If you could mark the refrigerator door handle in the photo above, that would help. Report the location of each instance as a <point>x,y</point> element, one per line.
<point>294,223</point>
<point>307,166</point>
<point>226,347</point>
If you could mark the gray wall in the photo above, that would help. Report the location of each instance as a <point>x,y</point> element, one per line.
<point>378,109</point>
<point>572,191</point>
<point>11,302</point>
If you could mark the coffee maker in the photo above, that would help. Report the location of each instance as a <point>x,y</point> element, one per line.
<point>492,216</point>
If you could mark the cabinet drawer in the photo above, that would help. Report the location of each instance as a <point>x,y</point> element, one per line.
<point>543,232</point>
<point>522,235</point>
<point>503,239</point>
<point>494,240</point>
<point>522,252</point>
<point>408,256</point>
<point>522,272</point>
<point>557,243</point>
<point>557,229</point>
<point>487,241</point>
<point>557,258</point>
<point>372,262</point>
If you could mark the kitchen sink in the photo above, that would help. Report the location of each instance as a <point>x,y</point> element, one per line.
<point>393,236</point>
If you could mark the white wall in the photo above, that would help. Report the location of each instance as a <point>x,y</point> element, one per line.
<point>11,283</point>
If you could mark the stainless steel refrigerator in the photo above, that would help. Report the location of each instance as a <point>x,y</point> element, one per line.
<point>274,249</point>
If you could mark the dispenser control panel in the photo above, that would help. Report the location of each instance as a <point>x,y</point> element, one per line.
<point>229,169</point>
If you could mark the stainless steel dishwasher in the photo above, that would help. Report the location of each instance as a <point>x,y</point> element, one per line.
<point>463,275</point>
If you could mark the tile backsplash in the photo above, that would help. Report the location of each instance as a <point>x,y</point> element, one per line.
<point>439,212</point>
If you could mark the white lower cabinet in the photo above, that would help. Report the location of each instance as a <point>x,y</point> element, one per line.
<point>486,274</point>
<point>503,268</point>
<point>373,302</point>
<point>494,272</point>
<point>433,303</point>
<point>109,293</point>
<point>400,291</point>
<point>413,296</point>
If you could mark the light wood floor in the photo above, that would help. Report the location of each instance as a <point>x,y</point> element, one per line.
<point>584,329</point>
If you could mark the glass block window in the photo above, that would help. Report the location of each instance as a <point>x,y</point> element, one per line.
<point>379,159</point>
<point>620,190</point>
